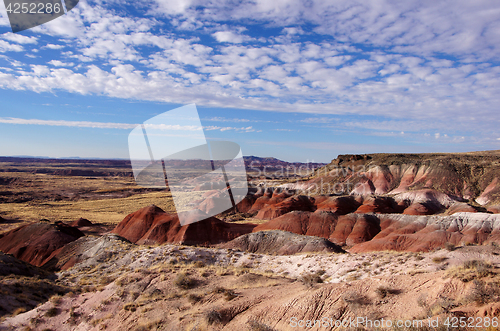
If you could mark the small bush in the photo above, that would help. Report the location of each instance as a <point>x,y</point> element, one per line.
<point>444,305</point>
<point>473,269</point>
<point>131,306</point>
<point>56,299</point>
<point>258,326</point>
<point>355,299</point>
<point>422,300</point>
<point>193,298</point>
<point>439,259</point>
<point>482,268</point>
<point>51,312</point>
<point>199,264</point>
<point>73,313</point>
<point>213,316</point>
<point>383,291</point>
<point>184,281</point>
<point>311,279</point>
<point>449,247</point>
<point>228,294</point>
<point>482,292</point>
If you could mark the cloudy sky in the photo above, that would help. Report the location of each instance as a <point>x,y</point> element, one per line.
<point>297,80</point>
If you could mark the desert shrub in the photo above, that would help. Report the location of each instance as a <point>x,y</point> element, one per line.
<point>443,305</point>
<point>193,298</point>
<point>383,291</point>
<point>213,316</point>
<point>56,299</point>
<point>73,313</point>
<point>422,300</point>
<point>355,299</point>
<point>482,292</point>
<point>439,259</point>
<point>184,281</point>
<point>311,279</point>
<point>228,294</point>
<point>198,264</point>
<point>449,246</point>
<point>51,312</point>
<point>131,306</point>
<point>255,325</point>
<point>473,269</point>
<point>482,268</point>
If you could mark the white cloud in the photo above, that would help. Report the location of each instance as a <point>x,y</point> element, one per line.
<point>230,37</point>
<point>396,60</point>
<point>79,124</point>
<point>293,30</point>
<point>17,38</point>
<point>8,47</point>
<point>57,63</point>
<point>52,46</point>
<point>123,126</point>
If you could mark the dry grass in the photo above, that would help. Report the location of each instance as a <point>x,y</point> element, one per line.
<point>98,211</point>
<point>482,292</point>
<point>184,281</point>
<point>471,270</point>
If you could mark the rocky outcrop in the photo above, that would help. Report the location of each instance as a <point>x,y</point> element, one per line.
<point>339,229</point>
<point>35,243</point>
<point>97,248</point>
<point>281,242</point>
<point>463,176</point>
<point>152,225</point>
<point>424,233</point>
<point>371,232</point>
<point>299,202</point>
<point>419,202</point>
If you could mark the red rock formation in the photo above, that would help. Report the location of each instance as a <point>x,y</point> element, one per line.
<point>338,205</point>
<point>460,207</point>
<point>152,225</point>
<point>495,209</point>
<point>385,205</point>
<point>81,222</point>
<point>299,202</point>
<point>35,243</point>
<point>463,175</point>
<point>424,233</point>
<point>490,193</point>
<point>371,232</point>
<point>420,209</point>
<point>341,230</point>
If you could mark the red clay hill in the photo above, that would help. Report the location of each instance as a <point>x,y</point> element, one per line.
<point>152,225</point>
<point>36,243</point>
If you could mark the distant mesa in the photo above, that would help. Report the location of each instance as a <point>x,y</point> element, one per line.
<point>461,176</point>
<point>281,242</point>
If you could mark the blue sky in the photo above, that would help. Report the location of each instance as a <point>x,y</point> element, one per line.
<point>297,80</point>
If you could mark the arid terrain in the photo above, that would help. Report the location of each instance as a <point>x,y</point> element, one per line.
<point>410,238</point>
